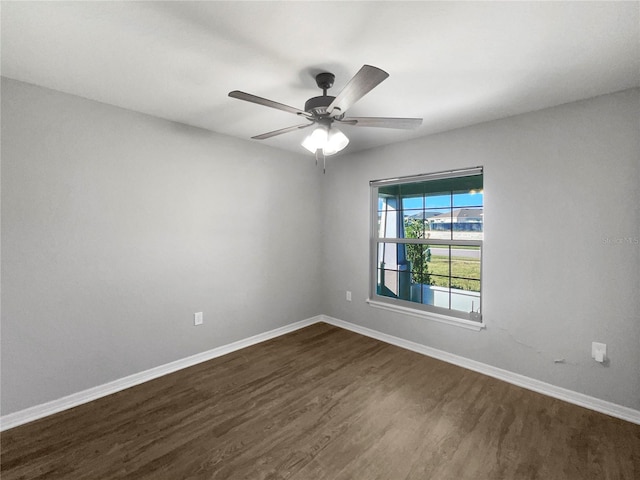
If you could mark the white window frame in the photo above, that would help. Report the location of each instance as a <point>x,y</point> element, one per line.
<point>438,314</point>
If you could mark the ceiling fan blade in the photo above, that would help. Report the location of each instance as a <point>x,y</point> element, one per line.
<point>382,122</point>
<point>363,82</point>
<point>247,97</point>
<point>281,131</point>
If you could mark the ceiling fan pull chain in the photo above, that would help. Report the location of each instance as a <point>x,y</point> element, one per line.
<point>320,153</point>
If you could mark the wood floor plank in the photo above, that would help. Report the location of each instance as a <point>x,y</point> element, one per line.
<point>323,403</point>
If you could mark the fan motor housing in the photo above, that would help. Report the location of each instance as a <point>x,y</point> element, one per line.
<point>318,105</point>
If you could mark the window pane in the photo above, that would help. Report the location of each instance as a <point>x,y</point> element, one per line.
<point>387,283</point>
<point>414,224</point>
<point>388,217</point>
<point>465,300</point>
<point>465,266</point>
<point>439,265</point>
<point>438,200</point>
<point>467,199</point>
<point>473,286</point>
<point>393,271</point>
<point>467,223</point>
<point>412,203</point>
<point>438,223</point>
<point>390,255</point>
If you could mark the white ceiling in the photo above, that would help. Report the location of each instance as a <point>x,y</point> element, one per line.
<point>452,63</point>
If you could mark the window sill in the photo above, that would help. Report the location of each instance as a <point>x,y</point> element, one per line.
<point>435,317</point>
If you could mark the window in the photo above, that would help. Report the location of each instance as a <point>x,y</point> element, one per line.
<point>426,243</point>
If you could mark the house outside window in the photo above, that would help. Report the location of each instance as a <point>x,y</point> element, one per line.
<point>426,243</point>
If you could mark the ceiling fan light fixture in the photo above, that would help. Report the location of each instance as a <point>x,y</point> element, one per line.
<point>317,139</point>
<point>329,140</point>
<point>336,142</point>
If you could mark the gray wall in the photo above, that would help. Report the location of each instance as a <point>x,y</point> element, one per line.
<point>561,253</point>
<point>117,227</point>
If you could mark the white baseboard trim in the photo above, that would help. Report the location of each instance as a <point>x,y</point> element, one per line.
<point>40,411</point>
<point>49,408</point>
<point>580,399</point>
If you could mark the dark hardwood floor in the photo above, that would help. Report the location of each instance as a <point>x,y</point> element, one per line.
<point>324,403</point>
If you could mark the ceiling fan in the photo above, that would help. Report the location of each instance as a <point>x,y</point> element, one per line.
<point>325,112</point>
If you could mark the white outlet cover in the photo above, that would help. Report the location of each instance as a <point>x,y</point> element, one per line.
<point>598,347</point>
<point>198,318</point>
<point>348,296</point>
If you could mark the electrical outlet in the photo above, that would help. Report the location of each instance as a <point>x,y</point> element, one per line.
<point>599,351</point>
<point>348,296</point>
<point>198,318</point>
